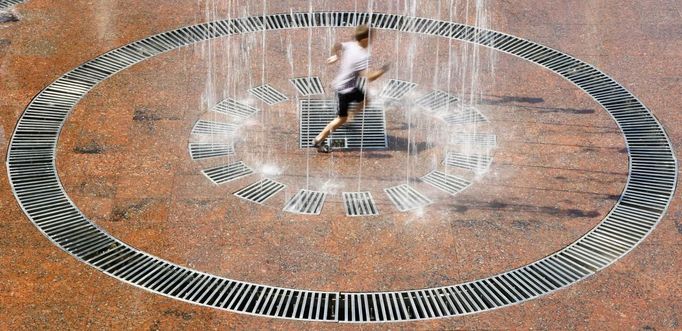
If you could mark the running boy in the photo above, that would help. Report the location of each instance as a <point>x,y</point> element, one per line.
<point>354,63</point>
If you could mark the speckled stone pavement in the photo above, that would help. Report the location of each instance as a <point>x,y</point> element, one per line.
<point>558,168</point>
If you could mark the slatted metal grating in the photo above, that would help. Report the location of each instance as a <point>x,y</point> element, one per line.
<point>306,202</point>
<point>406,198</point>
<point>397,89</point>
<point>213,128</point>
<point>485,140</point>
<point>446,182</point>
<point>359,204</point>
<point>34,180</point>
<point>468,161</point>
<point>366,130</point>
<point>260,191</point>
<point>235,108</point>
<point>206,150</point>
<point>268,94</point>
<point>4,4</point>
<point>307,86</point>
<point>465,116</point>
<point>229,172</point>
<point>436,100</point>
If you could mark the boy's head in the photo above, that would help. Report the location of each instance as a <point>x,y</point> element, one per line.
<point>362,35</point>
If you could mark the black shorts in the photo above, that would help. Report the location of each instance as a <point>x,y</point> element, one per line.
<point>355,95</point>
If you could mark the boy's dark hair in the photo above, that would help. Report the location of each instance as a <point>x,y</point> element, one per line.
<point>361,32</point>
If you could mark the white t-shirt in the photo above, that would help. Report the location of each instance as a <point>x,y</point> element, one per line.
<point>354,59</point>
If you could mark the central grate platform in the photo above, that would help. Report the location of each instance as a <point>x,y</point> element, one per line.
<point>366,130</point>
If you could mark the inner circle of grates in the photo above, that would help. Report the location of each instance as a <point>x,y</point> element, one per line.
<point>31,168</point>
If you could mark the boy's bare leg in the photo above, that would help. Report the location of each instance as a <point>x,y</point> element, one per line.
<point>333,125</point>
<point>360,108</point>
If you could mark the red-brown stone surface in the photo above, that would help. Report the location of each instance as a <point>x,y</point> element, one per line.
<point>122,157</point>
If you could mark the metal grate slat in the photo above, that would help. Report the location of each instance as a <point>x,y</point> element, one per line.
<point>229,172</point>
<point>446,182</point>
<point>406,198</point>
<point>200,151</point>
<point>268,94</point>
<point>306,202</point>
<point>260,191</point>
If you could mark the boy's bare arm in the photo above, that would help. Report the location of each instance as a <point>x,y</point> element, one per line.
<point>372,75</point>
<point>337,53</point>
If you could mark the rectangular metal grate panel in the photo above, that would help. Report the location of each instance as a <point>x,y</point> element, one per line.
<point>405,198</point>
<point>226,173</point>
<point>474,139</point>
<point>307,86</point>
<point>467,116</point>
<point>468,161</point>
<point>306,202</point>
<point>315,114</point>
<point>260,191</point>
<point>206,150</point>
<point>268,94</point>
<point>210,127</point>
<point>359,204</point>
<point>235,108</point>
<point>9,3</point>
<point>446,182</point>
<point>396,89</point>
<point>436,100</point>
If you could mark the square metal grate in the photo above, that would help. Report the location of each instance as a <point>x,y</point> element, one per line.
<point>315,114</point>
<point>206,150</point>
<point>306,202</point>
<point>307,86</point>
<point>446,182</point>
<point>268,94</point>
<point>436,100</point>
<point>225,173</point>
<point>260,191</point>
<point>405,198</point>
<point>359,204</point>
<point>466,116</point>
<point>235,108</point>
<point>396,89</point>
<point>210,127</point>
<point>474,139</point>
<point>8,3</point>
<point>468,161</point>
